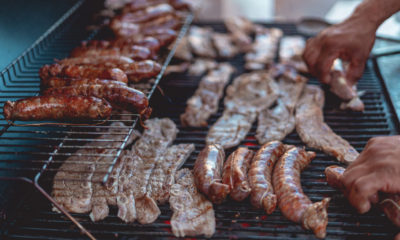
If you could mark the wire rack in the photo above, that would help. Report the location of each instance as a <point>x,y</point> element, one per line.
<point>28,152</point>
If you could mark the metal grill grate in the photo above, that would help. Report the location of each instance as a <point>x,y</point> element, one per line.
<point>35,220</point>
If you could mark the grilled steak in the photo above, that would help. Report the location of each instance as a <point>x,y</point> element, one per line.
<point>200,42</point>
<point>315,132</point>
<point>193,214</point>
<point>291,51</point>
<point>223,44</point>
<point>205,100</point>
<point>240,29</point>
<point>201,65</point>
<point>183,50</point>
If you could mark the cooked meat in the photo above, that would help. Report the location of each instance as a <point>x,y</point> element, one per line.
<point>235,173</point>
<point>264,48</point>
<point>183,50</point>
<point>208,173</point>
<point>193,214</point>
<point>145,15</point>
<point>260,176</point>
<point>146,153</point>
<point>135,52</point>
<point>200,42</point>
<point>240,28</point>
<point>355,104</point>
<point>293,203</point>
<point>224,46</point>
<point>340,87</point>
<point>205,100</point>
<point>291,51</point>
<point>103,61</point>
<point>56,82</point>
<point>278,122</point>
<point>245,98</point>
<point>200,66</point>
<point>72,184</point>
<point>178,68</point>
<point>315,132</point>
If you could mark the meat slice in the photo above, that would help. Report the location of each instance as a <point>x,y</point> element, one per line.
<point>183,50</point>
<point>200,42</point>
<point>201,65</point>
<point>245,98</point>
<point>205,100</point>
<point>293,203</point>
<point>240,29</point>
<point>315,132</point>
<point>277,122</point>
<point>135,175</point>
<point>73,183</point>
<point>291,51</point>
<point>224,46</point>
<point>193,214</point>
<point>264,48</point>
<point>235,173</point>
<point>160,182</point>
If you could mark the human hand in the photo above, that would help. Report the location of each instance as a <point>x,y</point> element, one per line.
<point>377,169</point>
<point>351,41</point>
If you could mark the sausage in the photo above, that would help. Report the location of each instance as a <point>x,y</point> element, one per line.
<point>294,204</point>
<point>390,204</point>
<point>163,36</point>
<point>208,171</point>
<point>55,82</point>
<point>57,108</point>
<point>106,61</point>
<point>74,71</point>
<point>141,70</point>
<point>134,52</point>
<point>119,96</point>
<point>146,14</point>
<point>235,173</point>
<point>260,173</point>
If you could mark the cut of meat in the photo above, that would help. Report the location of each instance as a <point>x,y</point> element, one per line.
<point>200,42</point>
<point>193,214</point>
<point>291,51</point>
<point>276,123</point>
<point>223,44</point>
<point>264,48</point>
<point>240,28</point>
<point>315,132</point>
<point>205,100</point>
<point>201,65</point>
<point>183,50</point>
<point>245,98</point>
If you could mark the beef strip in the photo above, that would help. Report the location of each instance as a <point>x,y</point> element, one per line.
<point>223,44</point>
<point>276,123</point>
<point>193,214</point>
<point>291,51</point>
<point>205,100</point>
<point>145,154</point>
<point>264,48</point>
<point>240,29</point>
<point>201,65</point>
<point>245,98</point>
<point>315,132</point>
<point>200,42</point>
<point>183,50</point>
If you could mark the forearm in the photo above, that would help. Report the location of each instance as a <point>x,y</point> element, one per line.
<point>375,12</point>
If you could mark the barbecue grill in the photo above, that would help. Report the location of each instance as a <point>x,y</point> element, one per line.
<point>34,153</point>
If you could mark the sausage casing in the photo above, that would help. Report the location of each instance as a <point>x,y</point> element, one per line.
<point>260,174</point>
<point>235,173</point>
<point>57,108</point>
<point>293,203</point>
<point>56,82</point>
<point>76,71</point>
<point>119,96</point>
<point>208,171</point>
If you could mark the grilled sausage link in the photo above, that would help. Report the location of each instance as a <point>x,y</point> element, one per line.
<point>134,52</point>
<point>106,61</point>
<point>235,173</point>
<point>260,174</point>
<point>208,171</point>
<point>390,204</point>
<point>119,96</point>
<point>141,70</point>
<point>75,71</point>
<point>57,108</point>
<point>56,82</point>
<point>293,203</point>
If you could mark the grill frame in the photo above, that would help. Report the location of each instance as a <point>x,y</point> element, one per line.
<point>251,223</point>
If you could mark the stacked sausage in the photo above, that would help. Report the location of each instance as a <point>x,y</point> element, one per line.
<point>95,78</point>
<point>270,176</point>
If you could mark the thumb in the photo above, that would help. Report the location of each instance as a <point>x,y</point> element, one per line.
<point>355,71</point>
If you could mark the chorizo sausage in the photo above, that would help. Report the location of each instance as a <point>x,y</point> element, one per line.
<point>208,171</point>
<point>57,108</point>
<point>134,52</point>
<point>390,204</point>
<point>119,96</point>
<point>75,71</point>
<point>141,70</point>
<point>56,82</point>
<point>260,174</point>
<point>106,61</point>
<point>293,203</point>
<point>235,173</point>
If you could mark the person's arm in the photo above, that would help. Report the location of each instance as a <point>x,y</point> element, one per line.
<point>351,40</point>
<point>377,169</point>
